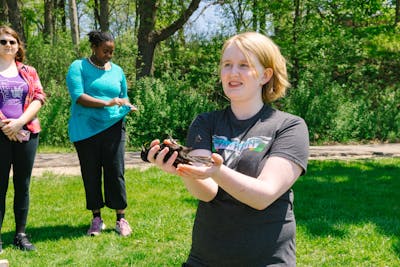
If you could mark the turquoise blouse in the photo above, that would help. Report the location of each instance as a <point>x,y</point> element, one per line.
<point>83,78</point>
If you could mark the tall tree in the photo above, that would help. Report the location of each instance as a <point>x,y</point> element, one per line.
<point>48,27</point>
<point>14,17</point>
<point>296,29</point>
<point>259,15</point>
<point>60,7</point>
<point>149,37</point>
<point>238,11</point>
<point>3,11</point>
<point>73,17</point>
<point>101,11</point>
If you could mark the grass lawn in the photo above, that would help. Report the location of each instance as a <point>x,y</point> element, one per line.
<point>348,214</point>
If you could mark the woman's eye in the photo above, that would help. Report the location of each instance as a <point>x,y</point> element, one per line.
<point>244,65</point>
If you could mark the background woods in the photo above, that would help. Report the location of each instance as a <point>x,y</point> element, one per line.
<point>343,56</point>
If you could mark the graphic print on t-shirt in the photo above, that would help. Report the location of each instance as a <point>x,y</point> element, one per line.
<point>233,148</point>
<point>12,96</point>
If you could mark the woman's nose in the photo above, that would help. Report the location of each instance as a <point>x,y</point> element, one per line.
<point>234,70</point>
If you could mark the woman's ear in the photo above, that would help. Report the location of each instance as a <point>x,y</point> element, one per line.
<point>93,48</point>
<point>267,75</point>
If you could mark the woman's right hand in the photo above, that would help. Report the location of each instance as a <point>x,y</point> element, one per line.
<point>121,102</point>
<point>159,159</point>
<point>116,101</point>
<point>11,128</point>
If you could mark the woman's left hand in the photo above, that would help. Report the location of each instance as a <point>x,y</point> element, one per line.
<point>200,171</point>
<point>133,107</point>
<point>11,128</point>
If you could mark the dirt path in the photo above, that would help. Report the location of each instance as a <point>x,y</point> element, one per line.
<point>68,164</point>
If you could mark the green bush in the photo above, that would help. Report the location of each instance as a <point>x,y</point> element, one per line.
<point>51,61</point>
<point>54,116</point>
<point>166,109</point>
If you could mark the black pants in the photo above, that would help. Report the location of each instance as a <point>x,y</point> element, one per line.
<point>104,152</point>
<point>21,157</point>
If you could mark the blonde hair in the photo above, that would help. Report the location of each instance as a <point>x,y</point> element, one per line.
<point>269,55</point>
<point>20,56</point>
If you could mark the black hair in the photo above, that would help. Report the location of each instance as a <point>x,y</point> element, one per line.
<point>98,37</point>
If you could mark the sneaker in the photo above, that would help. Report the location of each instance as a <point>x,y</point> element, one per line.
<point>21,241</point>
<point>122,227</point>
<point>96,226</point>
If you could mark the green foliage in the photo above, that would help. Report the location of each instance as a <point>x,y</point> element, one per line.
<point>166,108</point>
<point>342,59</point>
<point>195,62</point>
<point>348,86</point>
<point>54,116</point>
<point>51,61</point>
<point>316,102</point>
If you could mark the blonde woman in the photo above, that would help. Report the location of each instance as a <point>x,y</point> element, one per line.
<point>245,212</point>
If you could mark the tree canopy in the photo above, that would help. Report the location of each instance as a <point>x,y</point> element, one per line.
<point>343,57</point>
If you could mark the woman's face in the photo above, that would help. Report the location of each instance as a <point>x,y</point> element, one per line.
<point>104,52</point>
<point>242,80</point>
<point>8,46</point>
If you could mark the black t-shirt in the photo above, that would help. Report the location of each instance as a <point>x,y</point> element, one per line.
<point>227,232</point>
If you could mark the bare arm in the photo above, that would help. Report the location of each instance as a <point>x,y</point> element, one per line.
<point>277,176</point>
<point>89,101</point>
<point>203,189</point>
<point>92,102</point>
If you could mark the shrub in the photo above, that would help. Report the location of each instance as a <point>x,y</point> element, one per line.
<point>166,108</point>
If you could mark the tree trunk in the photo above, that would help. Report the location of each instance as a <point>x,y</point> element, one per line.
<point>136,25</point>
<point>96,13</point>
<point>397,16</point>
<point>3,12</point>
<point>48,20</point>
<point>60,7</point>
<point>14,17</point>
<point>294,52</point>
<point>146,44</point>
<point>54,8</point>
<point>73,17</point>
<point>255,17</point>
<point>104,16</point>
<point>148,37</point>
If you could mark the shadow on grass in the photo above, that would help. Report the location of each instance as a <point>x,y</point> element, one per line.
<point>47,233</point>
<point>334,195</point>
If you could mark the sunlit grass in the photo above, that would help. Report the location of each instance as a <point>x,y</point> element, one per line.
<point>53,149</point>
<point>348,214</point>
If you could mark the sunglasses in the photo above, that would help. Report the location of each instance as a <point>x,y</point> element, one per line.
<point>4,42</point>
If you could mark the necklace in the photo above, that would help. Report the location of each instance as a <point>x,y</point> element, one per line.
<point>95,65</point>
